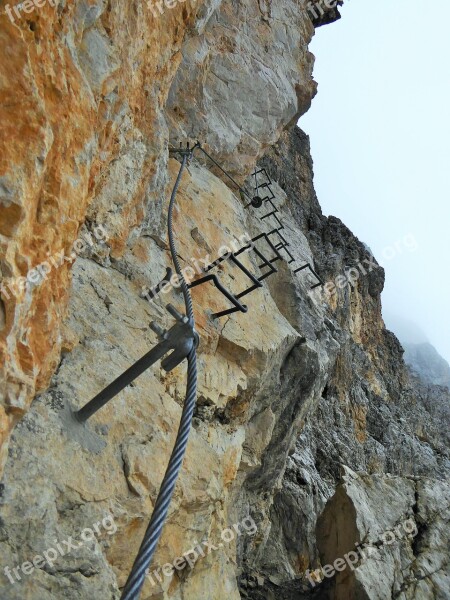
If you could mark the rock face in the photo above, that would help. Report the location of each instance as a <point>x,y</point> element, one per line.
<point>371,417</point>
<point>310,436</point>
<point>245,75</point>
<point>428,364</point>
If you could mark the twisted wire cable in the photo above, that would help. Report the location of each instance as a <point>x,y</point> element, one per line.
<point>147,549</point>
<point>173,250</point>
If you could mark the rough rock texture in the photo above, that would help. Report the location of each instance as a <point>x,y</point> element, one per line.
<point>82,140</point>
<point>425,361</point>
<point>245,75</point>
<point>371,416</point>
<point>307,419</point>
<point>89,143</point>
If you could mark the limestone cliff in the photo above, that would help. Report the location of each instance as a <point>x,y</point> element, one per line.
<point>309,432</point>
<point>428,364</point>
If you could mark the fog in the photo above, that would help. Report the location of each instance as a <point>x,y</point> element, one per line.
<point>380,137</point>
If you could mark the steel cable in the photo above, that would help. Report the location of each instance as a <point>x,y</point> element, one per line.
<point>147,549</point>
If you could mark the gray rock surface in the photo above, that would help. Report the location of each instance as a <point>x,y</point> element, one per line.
<point>426,362</point>
<point>373,418</point>
<point>307,419</point>
<point>243,78</point>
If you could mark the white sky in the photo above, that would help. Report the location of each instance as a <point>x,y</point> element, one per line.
<point>380,137</point>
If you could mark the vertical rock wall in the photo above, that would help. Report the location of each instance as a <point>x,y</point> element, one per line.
<point>304,405</point>
<point>373,455</point>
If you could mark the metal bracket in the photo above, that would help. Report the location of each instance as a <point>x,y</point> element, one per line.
<point>256,281</point>
<point>273,214</point>
<point>255,201</point>
<point>187,151</point>
<point>158,287</point>
<point>308,266</point>
<point>266,185</point>
<point>237,306</point>
<point>282,245</point>
<point>181,338</point>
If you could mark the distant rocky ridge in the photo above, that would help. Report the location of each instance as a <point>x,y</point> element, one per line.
<point>426,362</point>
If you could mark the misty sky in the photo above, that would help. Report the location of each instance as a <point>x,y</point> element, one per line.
<point>380,137</point>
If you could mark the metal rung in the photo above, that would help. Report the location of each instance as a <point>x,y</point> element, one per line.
<point>157,288</point>
<point>283,245</point>
<point>266,263</point>
<point>265,185</point>
<point>308,266</point>
<point>237,306</point>
<point>244,269</point>
<point>255,280</point>
<point>249,290</point>
<point>229,311</point>
<point>232,297</point>
<point>268,198</point>
<point>262,170</point>
<point>256,239</point>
